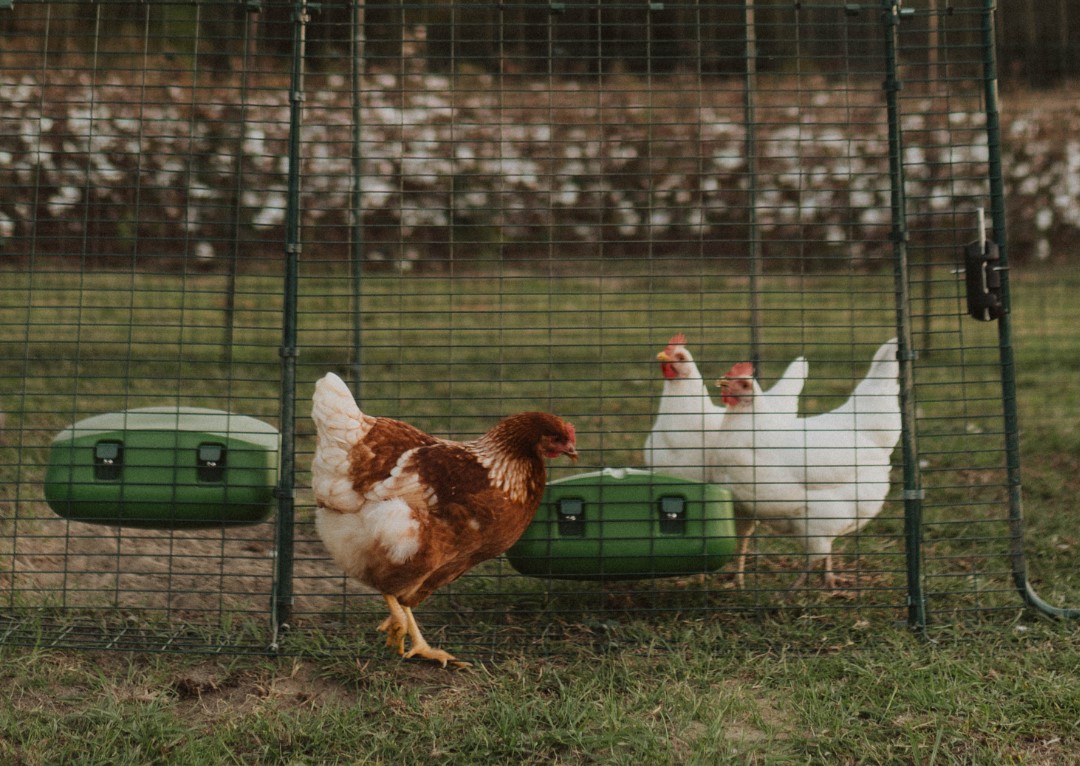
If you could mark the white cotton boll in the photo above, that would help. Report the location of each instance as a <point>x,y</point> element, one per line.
<point>913,122</point>
<point>1020,127</point>
<point>1044,219</point>
<point>573,168</point>
<point>1042,249</point>
<point>272,212</point>
<point>474,200</point>
<point>63,200</point>
<point>255,142</point>
<point>1029,185</point>
<point>874,216</point>
<point>915,156</point>
<point>465,156</point>
<point>660,218</point>
<point>1021,170</point>
<point>1072,155</point>
<point>583,232</point>
<point>696,219</point>
<point>269,217</point>
<point>941,202</point>
<point>376,191</point>
<point>567,195</point>
<point>204,251</point>
<point>628,218</point>
<point>862,199</point>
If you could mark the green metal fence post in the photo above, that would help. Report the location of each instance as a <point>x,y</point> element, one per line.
<point>356,213</point>
<point>283,589</point>
<point>1008,364</point>
<point>913,494</point>
<point>750,86</point>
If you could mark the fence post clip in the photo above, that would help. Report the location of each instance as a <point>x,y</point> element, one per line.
<point>983,276</point>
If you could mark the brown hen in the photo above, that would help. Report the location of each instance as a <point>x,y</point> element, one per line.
<point>405,512</point>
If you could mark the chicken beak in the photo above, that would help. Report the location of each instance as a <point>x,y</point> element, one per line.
<point>663,357</point>
<point>571,452</point>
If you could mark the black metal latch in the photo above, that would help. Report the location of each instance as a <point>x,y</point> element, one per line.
<point>571,511</point>
<point>210,463</point>
<point>672,510</point>
<point>982,274</point>
<point>108,461</point>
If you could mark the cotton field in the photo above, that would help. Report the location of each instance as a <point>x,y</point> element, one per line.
<point>95,166</point>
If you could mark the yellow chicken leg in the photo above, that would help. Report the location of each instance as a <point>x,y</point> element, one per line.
<point>743,529</point>
<point>395,626</point>
<point>421,648</point>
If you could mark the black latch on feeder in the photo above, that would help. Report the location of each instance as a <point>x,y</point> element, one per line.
<point>672,514</point>
<point>571,517</point>
<point>210,463</point>
<point>983,276</point>
<point>108,460</point>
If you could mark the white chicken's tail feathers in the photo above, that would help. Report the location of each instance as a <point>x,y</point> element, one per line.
<point>882,380</point>
<point>783,397</point>
<point>337,418</point>
<point>875,402</point>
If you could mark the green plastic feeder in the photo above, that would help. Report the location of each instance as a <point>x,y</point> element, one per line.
<point>164,468</point>
<point>624,523</point>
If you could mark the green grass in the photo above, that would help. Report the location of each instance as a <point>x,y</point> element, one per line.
<point>683,692</point>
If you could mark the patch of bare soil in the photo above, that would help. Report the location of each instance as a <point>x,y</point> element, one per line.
<point>197,575</point>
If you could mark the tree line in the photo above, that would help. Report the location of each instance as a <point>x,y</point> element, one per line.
<point>1036,39</point>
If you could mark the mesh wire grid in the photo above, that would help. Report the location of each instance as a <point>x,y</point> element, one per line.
<point>497,208</point>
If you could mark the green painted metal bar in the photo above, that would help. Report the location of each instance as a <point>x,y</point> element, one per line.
<point>356,212</point>
<point>750,86</point>
<point>283,580</point>
<point>233,261</point>
<point>1008,363</point>
<point>913,494</point>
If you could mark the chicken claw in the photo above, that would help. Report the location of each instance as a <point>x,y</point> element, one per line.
<point>395,626</point>
<point>421,648</point>
<point>435,655</point>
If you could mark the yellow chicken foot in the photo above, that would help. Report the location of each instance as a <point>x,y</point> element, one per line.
<point>421,648</point>
<point>395,626</point>
<point>836,583</point>
<point>833,582</point>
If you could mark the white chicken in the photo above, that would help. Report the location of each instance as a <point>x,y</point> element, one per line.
<point>687,421</point>
<point>816,478</point>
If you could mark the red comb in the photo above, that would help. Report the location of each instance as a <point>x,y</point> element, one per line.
<point>678,339</point>
<point>741,370</point>
<point>571,431</point>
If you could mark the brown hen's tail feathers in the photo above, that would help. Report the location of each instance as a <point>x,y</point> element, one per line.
<point>338,420</point>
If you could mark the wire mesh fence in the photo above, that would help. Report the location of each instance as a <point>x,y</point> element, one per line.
<point>469,210</point>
